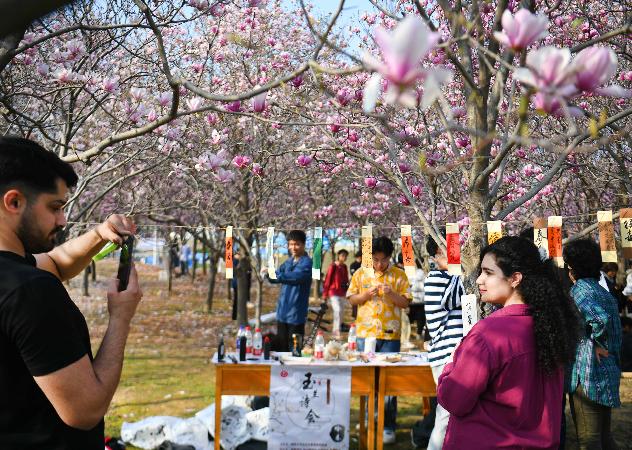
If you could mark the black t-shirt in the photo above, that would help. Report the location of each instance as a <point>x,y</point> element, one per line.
<point>41,331</point>
<point>355,265</point>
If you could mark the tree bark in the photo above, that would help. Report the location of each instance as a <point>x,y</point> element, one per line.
<point>243,288</point>
<point>211,283</point>
<point>194,259</point>
<point>86,282</point>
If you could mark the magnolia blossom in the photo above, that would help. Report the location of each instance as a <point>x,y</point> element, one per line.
<point>594,66</point>
<point>557,79</point>
<point>225,176</point>
<point>370,182</point>
<point>234,106</point>
<point>303,160</point>
<point>297,81</point>
<point>216,161</point>
<point>416,190</point>
<point>522,30</point>
<point>404,167</point>
<point>259,102</point>
<point>165,98</point>
<point>109,85</point>
<point>402,52</point>
<point>194,103</point>
<point>549,71</point>
<point>257,169</point>
<point>42,69</point>
<point>241,161</point>
<point>64,76</point>
<point>403,200</point>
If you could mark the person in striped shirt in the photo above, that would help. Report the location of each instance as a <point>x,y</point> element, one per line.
<point>442,296</point>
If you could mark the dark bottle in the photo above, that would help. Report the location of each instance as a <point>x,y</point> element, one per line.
<point>221,349</point>
<point>242,348</point>
<point>266,348</point>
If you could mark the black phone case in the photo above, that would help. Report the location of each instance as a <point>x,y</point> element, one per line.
<point>125,263</point>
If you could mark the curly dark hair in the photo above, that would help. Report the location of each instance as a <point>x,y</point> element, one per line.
<point>583,258</point>
<point>555,317</point>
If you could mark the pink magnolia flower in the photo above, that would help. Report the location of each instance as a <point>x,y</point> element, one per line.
<point>241,161</point>
<point>297,81</point>
<point>257,169</point>
<point>416,190</point>
<point>259,102</point>
<point>370,182</point>
<point>402,52</point>
<point>137,93</point>
<point>403,200</point>
<point>64,76</point>
<point>594,66</point>
<point>164,99</point>
<point>212,119</point>
<point>216,161</point>
<point>549,71</point>
<point>224,176</point>
<point>42,69</point>
<point>343,97</point>
<point>194,103</point>
<point>522,30</point>
<point>303,160</point>
<point>234,106</point>
<point>110,85</point>
<point>404,167</point>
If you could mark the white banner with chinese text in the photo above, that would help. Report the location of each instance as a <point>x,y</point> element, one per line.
<point>309,407</point>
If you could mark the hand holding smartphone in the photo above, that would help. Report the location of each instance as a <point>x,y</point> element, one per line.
<point>125,263</point>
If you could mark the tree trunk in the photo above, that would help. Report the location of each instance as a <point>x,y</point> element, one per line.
<point>168,263</point>
<point>243,289</point>
<point>194,259</point>
<point>86,281</point>
<point>259,304</point>
<point>204,256</point>
<point>93,269</point>
<point>211,283</point>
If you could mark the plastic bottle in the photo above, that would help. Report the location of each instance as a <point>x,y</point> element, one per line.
<point>352,339</point>
<point>248,335</point>
<point>239,334</point>
<point>319,346</point>
<point>221,349</point>
<point>257,343</point>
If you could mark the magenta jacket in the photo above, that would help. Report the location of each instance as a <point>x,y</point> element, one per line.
<point>495,393</point>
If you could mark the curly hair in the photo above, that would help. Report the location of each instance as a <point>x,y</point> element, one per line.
<point>555,317</point>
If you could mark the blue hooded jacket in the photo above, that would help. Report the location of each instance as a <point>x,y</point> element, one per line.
<point>296,280</point>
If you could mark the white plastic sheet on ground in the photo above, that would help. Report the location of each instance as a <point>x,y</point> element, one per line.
<point>239,425</point>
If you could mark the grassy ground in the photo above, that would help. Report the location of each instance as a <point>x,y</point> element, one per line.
<point>167,369</point>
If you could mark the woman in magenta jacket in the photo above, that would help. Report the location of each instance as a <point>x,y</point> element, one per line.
<point>505,386</point>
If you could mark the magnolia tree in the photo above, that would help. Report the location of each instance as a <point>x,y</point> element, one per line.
<point>257,113</point>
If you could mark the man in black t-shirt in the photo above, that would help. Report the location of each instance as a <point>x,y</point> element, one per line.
<point>53,392</point>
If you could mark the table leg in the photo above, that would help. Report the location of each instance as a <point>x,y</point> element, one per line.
<point>380,409</point>
<point>363,442</point>
<point>426,405</point>
<point>371,413</point>
<point>218,404</point>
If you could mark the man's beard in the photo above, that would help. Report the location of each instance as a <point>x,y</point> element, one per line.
<point>34,239</point>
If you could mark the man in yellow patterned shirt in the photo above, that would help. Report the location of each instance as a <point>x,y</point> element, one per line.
<point>380,298</point>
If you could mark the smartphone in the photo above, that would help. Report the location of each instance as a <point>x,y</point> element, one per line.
<point>125,263</point>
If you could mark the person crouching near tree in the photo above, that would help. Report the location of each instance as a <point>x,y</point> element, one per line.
<point>505,385</point>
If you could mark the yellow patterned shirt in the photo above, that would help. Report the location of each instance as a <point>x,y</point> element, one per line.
<point>379,317</point>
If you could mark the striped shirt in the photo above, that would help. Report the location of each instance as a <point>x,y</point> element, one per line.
<point>599,380</point>
<point>442,297</point>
